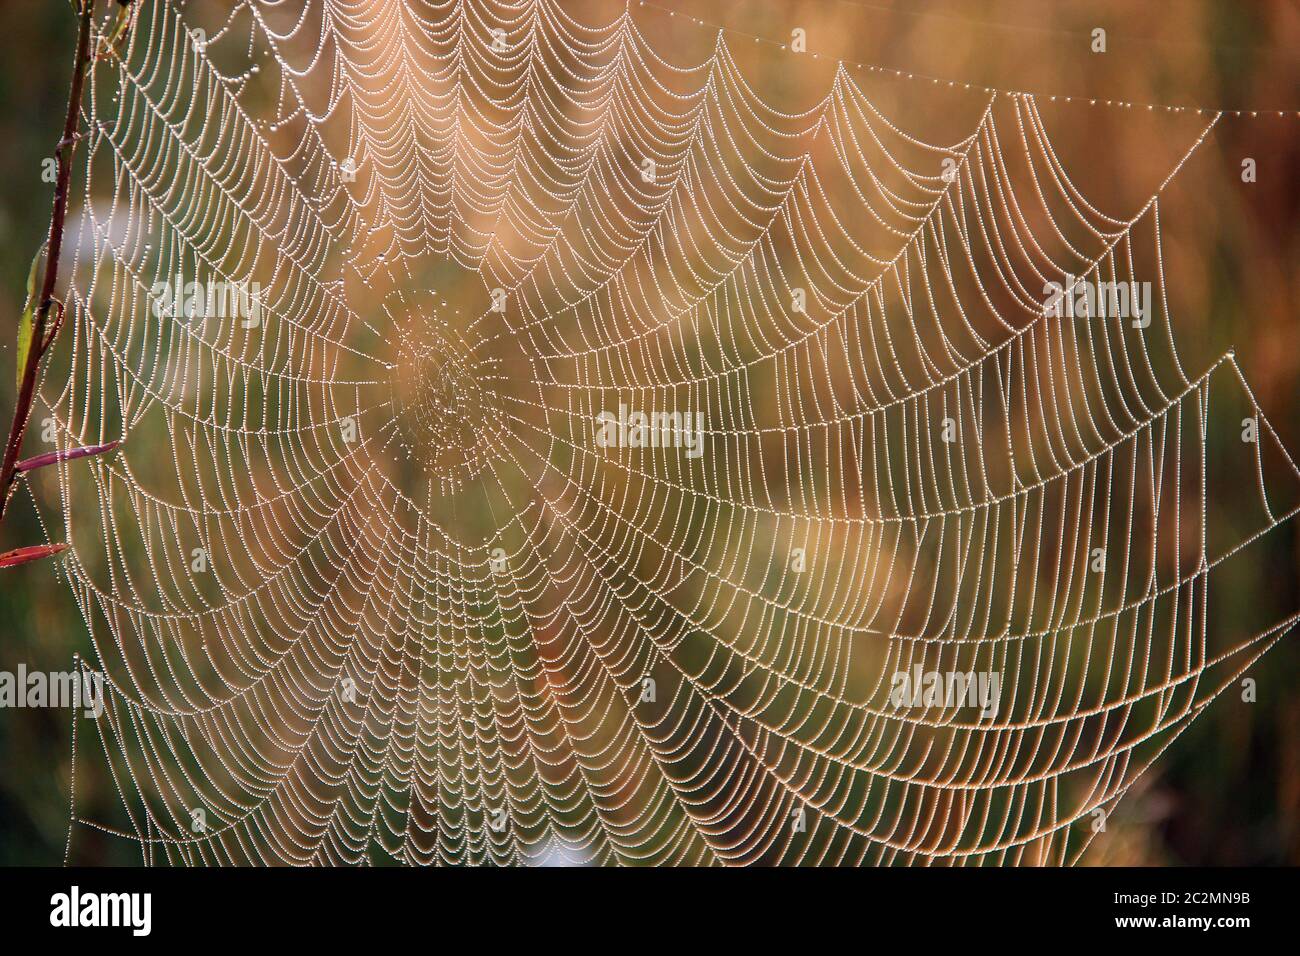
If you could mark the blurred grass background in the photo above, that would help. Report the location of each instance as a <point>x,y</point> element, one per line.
<point>1227,791</point>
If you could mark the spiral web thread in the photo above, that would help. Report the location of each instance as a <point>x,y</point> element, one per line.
<point>524,647</point>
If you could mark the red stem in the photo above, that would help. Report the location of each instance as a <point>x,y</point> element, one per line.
<point>33,552</point>
<point>27,391</point>
<point>54,457</point>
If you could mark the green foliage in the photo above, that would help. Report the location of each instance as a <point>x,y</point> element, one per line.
<point>27,321</point>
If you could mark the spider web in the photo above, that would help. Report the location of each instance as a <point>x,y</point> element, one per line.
<point>365,586</point>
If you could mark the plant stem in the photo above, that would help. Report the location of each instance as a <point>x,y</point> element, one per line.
<point>27,391</point>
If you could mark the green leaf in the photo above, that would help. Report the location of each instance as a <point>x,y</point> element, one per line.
<point>27,321</point>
